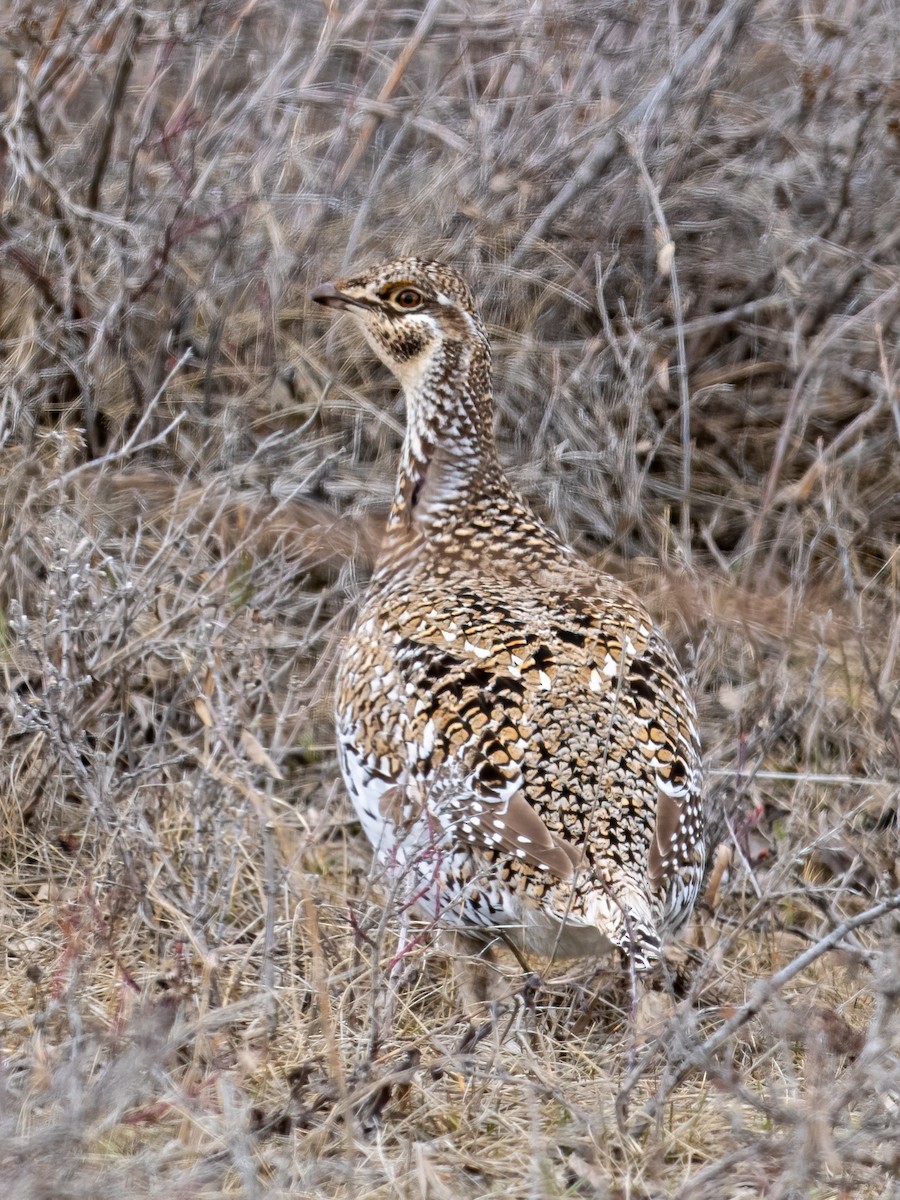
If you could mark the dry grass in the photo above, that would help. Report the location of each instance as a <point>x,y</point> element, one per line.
<point>683,224</point>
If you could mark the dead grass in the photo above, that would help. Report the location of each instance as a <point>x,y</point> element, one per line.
<point>682,221</point>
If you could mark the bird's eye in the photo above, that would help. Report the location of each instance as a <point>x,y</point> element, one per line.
<point>406,298</point>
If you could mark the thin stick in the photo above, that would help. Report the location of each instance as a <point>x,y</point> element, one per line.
<point>270,890</point>
<point>667,265</point>
<point>113,109</point>
<point>803,777</point>
<point>416,38</point>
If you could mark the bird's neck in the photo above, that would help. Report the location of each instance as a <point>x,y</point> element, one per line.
<point>449,459</point>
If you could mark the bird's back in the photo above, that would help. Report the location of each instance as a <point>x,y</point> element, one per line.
<point>529,703</point>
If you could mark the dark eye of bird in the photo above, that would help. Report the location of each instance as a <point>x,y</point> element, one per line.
<point>407,298</point>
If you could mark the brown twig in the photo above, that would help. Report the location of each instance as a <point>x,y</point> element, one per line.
<point>390,85</point>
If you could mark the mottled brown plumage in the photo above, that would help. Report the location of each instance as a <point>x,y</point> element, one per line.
<point>516,734</point>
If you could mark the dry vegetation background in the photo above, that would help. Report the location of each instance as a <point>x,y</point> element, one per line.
<point>683,222</point>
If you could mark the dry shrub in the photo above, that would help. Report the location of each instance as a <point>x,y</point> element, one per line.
<point>681,220</point>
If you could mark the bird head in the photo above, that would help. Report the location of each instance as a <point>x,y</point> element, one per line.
<point>410,310</point>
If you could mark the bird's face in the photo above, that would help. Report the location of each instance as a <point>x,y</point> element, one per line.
<point>409,310</point>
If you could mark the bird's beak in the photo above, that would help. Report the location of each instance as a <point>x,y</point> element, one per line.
<point>331,297</point>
